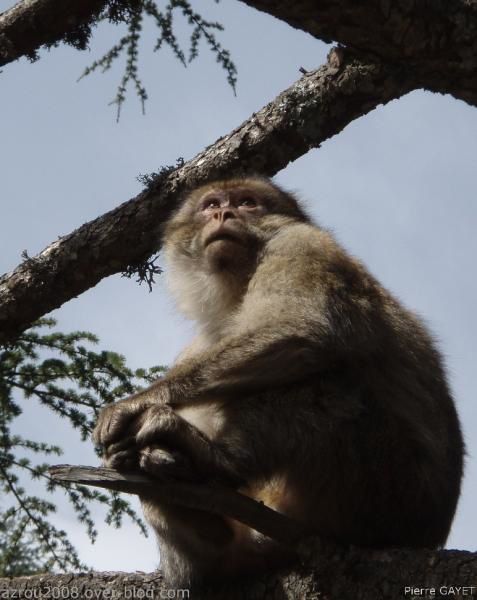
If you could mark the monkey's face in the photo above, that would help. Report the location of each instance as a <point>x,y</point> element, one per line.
<point>228,221</point>
<point>223,226</point>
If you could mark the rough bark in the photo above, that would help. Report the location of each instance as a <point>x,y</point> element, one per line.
<point>30,24</point>
<point>437,39</point>
<point>419,29</point>
<point>330,574</point>
<point>315,108</point>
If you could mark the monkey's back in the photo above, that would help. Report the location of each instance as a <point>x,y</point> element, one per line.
<point>368,450</point>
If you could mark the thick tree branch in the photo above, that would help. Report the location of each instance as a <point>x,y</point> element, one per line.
<point>30,24</point>
<point>315,108</point>
<point>392,29</point>
<point>331,573</point>
<point>437,39</point>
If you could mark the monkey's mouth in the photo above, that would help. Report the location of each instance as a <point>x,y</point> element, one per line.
<point>221,236</point>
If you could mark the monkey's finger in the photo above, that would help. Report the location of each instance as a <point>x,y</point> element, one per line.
<point>127,443</point>
<point>124,460</point>
<point>171,430</point>
<point>160,424</point>
<point>115,422</point>
<point>167,464</point>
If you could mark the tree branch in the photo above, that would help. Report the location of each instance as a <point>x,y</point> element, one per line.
<point>213,499</point>
<point>316,107</point>
<point>30,24</point>
<point>334,574</point>
<point>392,29</point>
<point>435,39</point>
<point>438,40</point>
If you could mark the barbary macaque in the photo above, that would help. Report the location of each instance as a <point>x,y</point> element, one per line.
<point>308,387</point>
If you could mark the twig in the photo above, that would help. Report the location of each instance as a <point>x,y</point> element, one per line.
<point>210,498</point>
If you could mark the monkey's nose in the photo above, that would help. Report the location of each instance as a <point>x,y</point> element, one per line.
<point>228,214</point>
<point>223,214</point>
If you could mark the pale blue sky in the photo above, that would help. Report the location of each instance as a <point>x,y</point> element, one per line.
<point>397,187</point>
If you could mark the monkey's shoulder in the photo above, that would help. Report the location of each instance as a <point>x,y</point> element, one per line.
<point>304,256</point>
<point>307,244</point>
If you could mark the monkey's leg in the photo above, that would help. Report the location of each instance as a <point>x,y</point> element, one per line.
<point>159,427</point>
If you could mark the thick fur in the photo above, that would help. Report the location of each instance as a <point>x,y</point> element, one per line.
<point>308,387</point>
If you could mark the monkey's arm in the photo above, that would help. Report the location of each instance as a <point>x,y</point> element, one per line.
<point>163,444</point>
<point>250,362</point>
<point>305,312</point>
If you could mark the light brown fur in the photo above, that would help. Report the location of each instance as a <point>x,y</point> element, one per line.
<point>308,387</point>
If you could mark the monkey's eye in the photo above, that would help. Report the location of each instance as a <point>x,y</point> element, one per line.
<point>248,201</point>
<point>211,203</point>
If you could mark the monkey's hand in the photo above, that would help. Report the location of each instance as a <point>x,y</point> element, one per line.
<point>166,464</point>
<point>118,424</point>
<point>170,446</point>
